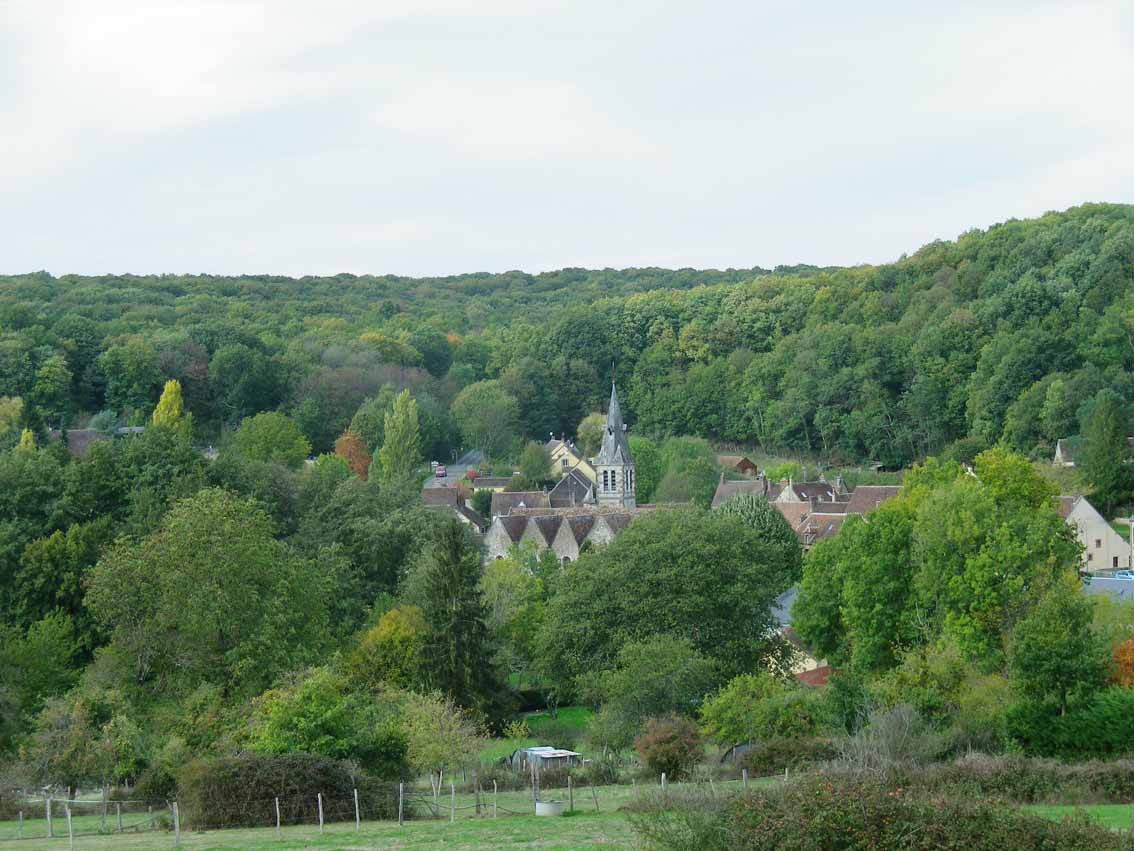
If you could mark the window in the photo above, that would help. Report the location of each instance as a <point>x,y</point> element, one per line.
<point>563,462</point>
<point>1098,543</point>
<point>1116,561</point>
<point>605,480</point>
<point>614,480</point>
<point>566,559</point>
<point>1090,556</point>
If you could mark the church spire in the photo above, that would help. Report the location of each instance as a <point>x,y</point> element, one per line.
<point>615,447</point>
<point>614,464</point>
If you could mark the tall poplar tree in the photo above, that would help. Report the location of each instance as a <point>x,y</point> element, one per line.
<point>1105,450</point>
<point>400,454</point>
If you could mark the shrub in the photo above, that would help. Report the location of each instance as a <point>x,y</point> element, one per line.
<point>1024,779</point>
<point>891,739</point>
<point>670,745</point>
<point>1102,725</point>
<point>819,813</point>
<point>772,756</point>
<point>240,790</point>
<point>557,732</point>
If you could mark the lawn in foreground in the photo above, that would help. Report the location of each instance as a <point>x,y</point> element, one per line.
<point>1114,816</point>
<point>570,833</point>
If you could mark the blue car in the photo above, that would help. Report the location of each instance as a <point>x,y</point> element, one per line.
<point>1124,574</point>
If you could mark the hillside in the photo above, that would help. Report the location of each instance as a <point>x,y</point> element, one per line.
<point>1006,333</point>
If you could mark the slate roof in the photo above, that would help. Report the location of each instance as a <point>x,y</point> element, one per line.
<point>504,503</point>
<point>1119,589</point>
<point>548,525</point>
<point>514,526</point>
<point>482,482</point>
<point>781,610</point>
<point>580,526</point>
<point>820,527</point>
<point>472,516</point>
<point>617,522</point>
<point>824,491</point>
<point>868,497</point>
<point>573,489</point>
<point>615,447</point>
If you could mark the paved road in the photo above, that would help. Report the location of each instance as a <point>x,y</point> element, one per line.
<point>454,473</point>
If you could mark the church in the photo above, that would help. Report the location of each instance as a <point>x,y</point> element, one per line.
<point>593,502</point>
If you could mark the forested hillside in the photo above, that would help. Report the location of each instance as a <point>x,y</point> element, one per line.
<point>1007,333</point>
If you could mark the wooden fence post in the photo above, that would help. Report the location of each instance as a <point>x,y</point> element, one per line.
<point>664,790</point>
<point>277,818</point>
<point>320,797</point>
<point>176,824</point>
<point>20,826</point>
<point>70,831</point>
<point>452,802</point>
<point>105,796</point>
<point>50,827</point>
<point>401,797</point>
<point>570,795</point>
<point>594,794</point>
<point>744,779</point>
<point>118,817</point>
<point>357,815</point>
<point>494,799</point>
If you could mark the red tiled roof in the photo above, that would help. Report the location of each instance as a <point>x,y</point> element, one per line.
<point>440,496</point>
<point>1065,505</point>
<point>868,497</point>
<point>816,678</point>
<point>794,512</point>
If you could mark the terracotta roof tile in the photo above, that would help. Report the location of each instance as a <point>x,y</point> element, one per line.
<point>868,497</point>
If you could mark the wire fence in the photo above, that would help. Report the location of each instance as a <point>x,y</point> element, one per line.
<point>47,817</point>
<point>61,818</point>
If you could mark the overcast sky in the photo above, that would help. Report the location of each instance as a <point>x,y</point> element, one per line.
<point>427,137</point>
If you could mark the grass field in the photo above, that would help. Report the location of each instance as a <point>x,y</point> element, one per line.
<point>585,828</point>
<point>607,830</point>
<point>1114,816</point>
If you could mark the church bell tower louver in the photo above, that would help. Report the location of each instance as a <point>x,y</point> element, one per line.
<point>614,465</point>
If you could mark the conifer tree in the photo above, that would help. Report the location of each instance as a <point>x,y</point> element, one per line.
<point>458,652</point>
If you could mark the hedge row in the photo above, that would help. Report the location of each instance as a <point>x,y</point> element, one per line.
<point>819,813</point>
<point>241,791</point>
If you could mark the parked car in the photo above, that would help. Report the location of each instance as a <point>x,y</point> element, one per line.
<point>1124,574</point>
<point>440,472</point>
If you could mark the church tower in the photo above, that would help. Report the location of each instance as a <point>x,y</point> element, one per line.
<point>614,465</point>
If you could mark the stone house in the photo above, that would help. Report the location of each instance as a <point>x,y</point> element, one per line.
<point>1103,548</point>
<point>566,457</point>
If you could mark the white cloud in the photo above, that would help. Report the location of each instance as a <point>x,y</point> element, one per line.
<point>439,137</point>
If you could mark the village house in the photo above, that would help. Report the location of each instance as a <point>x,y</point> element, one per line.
<point>566,458</point>
<point>580,511</point>
<point>814,510</point>
<point>738,464</point>
<point>1069,450</point>
<point>1103,548</point>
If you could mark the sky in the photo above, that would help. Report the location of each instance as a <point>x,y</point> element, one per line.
<point>439,137</point>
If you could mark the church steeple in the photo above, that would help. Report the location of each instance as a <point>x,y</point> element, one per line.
<point>614,463</point>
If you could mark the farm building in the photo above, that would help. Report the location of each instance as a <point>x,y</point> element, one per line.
<point>543,757</point>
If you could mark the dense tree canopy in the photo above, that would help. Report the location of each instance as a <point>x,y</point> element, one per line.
<point>725,574</point>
